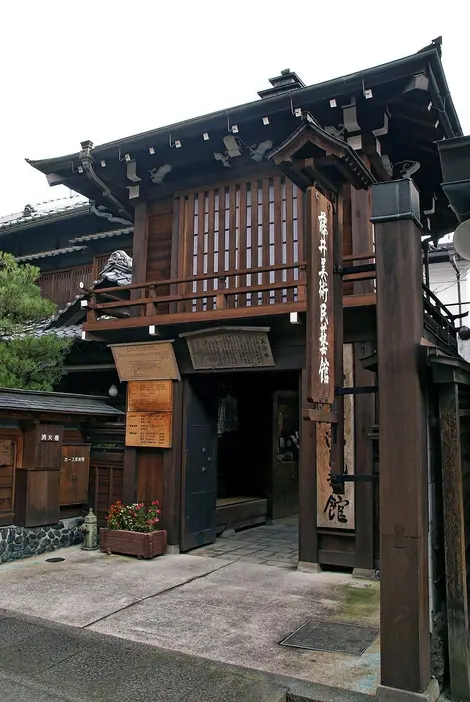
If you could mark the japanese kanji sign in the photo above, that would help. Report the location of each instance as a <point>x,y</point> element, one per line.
<point>320,343</point>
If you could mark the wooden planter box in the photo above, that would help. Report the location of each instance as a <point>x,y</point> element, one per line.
<point>133,543</point>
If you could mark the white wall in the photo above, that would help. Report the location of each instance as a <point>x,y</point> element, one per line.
<point>443,282</point>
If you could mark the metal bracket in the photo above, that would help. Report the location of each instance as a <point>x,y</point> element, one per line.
<point>338,480</point>
<point>359,390</point>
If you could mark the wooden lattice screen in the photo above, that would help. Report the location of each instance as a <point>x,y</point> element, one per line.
<point>241,226</point>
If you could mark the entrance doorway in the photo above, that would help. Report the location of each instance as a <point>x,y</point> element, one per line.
<point>241,451</point>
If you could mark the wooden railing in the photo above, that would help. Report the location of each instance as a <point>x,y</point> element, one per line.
<point>438,319</point>
<point>145,299</point>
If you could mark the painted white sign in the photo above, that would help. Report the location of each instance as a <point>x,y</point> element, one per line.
<point>324,364</point>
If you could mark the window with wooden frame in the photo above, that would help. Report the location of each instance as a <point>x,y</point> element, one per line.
<point>240,227</point>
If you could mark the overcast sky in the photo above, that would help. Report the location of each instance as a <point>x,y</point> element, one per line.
<point>100,70</point>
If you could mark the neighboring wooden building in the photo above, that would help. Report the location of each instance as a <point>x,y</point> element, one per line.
<point>69,239</point>
<point>48,442</point>
<point>266,313</point>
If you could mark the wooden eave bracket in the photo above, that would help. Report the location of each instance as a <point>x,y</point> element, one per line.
<point>349,165</point>
<point>447,369</point>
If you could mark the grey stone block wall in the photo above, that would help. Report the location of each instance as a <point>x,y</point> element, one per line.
<point>20,542</point>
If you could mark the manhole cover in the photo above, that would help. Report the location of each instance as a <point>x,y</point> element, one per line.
<point>55,560</point>
<point>317,635</point>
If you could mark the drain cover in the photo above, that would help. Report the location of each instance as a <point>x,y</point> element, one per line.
<point>55,560</point>
<point>317,635</point>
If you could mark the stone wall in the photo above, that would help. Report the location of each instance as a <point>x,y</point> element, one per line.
<point>21,542</point>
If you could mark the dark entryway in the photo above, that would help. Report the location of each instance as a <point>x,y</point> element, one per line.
<point>241,449</point>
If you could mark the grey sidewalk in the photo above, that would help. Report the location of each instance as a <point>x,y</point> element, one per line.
<point>218,612</point>
<point>42,661</point>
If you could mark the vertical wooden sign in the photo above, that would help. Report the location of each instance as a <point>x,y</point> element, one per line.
<point>320,322</point>
<point>334,510</point>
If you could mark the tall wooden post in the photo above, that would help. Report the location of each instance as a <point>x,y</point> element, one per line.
<point>454,541</point>
<point>321,410</point>
<point>404,611</point>
<point>364,405</point>
<point>308,539</point>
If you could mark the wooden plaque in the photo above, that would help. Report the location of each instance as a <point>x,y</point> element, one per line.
<point>230,348</point>
<point>149,361</point>
<point>320,321</point>
<point>152,429</point>
<point>6,452</point>
<point>337,511</point>
<point>150,396</point>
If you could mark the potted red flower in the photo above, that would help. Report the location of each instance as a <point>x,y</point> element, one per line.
<point>133,530</point>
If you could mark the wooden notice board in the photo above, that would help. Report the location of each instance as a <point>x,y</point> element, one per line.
<point>150,396</point>
<point>151,429</point>
<point>230,347</point>
<point>154,360</point>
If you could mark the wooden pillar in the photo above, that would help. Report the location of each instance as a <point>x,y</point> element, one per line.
<point>308,540</point>
<point>362,237</point>
<point>454,541</point>
<point>364,419</point>
<point>404,611</point>
<point>172,469</point>
<point>129,477</point>
<point>139,250</point>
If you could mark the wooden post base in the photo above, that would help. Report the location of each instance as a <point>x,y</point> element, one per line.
<point>305,567</point>
<point>392,694</point>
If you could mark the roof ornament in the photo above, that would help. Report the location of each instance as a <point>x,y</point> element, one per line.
<point>235,147</point>
<point>337,132</point>
<point>158,175</point>
<point>29,210</point>
<point>407,168</point>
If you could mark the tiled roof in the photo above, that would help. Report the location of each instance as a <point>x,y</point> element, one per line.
<point>102,235</point>
<point>49,254</point>
<point>43,210</point>
<point>66,323</point>
<point>54,402</point>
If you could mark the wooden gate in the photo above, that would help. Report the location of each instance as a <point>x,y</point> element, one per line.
<point>199,491</point>
<point>106,467</point>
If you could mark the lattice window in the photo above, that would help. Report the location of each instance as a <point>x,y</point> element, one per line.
<point>236,228</point>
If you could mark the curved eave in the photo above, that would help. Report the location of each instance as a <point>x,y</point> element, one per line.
<point>300,97</point>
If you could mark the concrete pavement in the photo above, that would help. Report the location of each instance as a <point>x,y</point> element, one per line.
<point>43,661</point>
<point>219,611</point>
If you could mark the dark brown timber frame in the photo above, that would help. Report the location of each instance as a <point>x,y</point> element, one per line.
<point>405,626</point>
<point>452,379</point>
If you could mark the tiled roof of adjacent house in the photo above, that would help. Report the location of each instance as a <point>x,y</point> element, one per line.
<point>102,235</point>
<point>66,322</point>
<point>54,402</point>
<point>49,254</point>
<point>44,210</point>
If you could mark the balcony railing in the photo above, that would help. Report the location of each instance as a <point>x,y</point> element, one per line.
<point>266,290</point>
<point>439,320</point>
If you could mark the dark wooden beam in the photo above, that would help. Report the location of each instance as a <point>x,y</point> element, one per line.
<point>172,468</point>
<point>454,542</point>
<point>364,405</point>
<point>129,476</point>
<point>404,612</point>
<point>139,247</point>
<point>364,419</point>
<point>308,539</point>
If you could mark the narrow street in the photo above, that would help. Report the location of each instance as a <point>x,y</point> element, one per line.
<point>190,614</point>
